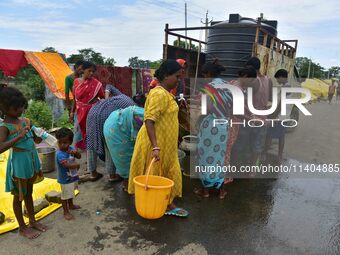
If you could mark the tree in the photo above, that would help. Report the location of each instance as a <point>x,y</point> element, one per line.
<point>182,45</point>
<point>50,49</point>
<point>135,62</point>
<point>110,62</point>
<point>334,71</point>
<point>156,64</point>
<point>305,65</point>
<point>89,54</point>
<point>36,86</point>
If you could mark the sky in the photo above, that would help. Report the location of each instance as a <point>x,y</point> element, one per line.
<point>126,28</point>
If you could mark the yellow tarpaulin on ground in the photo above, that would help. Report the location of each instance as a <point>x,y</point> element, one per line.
<point>39,191</point>
<point>52,69</point>
<point>317,87</point>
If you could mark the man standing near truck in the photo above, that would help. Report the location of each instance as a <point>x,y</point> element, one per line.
<point>261,101</point>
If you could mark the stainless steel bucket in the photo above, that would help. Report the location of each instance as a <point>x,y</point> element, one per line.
<point>47,158</point>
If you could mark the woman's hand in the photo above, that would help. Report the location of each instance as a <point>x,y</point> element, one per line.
<point>23,132</point>
<point>72,117</point>
<point>155,154</point>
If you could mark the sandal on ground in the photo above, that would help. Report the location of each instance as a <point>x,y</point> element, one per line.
<point>176,212</point>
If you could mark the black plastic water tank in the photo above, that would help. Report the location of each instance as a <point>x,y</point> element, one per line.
<point>232,41</point>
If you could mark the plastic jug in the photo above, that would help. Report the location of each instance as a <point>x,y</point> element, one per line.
<point>49,139</point>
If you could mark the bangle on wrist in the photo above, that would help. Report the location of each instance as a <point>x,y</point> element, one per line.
<point>156,148</point>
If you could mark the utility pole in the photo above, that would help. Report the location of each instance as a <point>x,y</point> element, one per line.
<point>310,62</point>
<point>186,23</point>
<point>206,23</point>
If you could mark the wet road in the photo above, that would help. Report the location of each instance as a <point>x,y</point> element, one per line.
<point>259,216</point>
<point>286,215</point>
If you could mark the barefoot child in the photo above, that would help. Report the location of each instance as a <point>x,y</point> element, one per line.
<point>23,166</point>
<point>67,170</point>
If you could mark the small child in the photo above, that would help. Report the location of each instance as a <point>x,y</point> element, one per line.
<point>67,170</point>
<point>23,167</point>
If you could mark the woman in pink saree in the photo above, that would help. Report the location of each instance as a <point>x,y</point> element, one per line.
<point>87,91</point>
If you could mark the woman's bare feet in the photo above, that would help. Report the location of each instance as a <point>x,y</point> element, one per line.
<point>201,192</point>
<point>38,226</point>
<point>222,193</point>
<point>30,233</point>
<point>74,207</point>
<point>68,216</point>
<point>125,185</point>
<point>228,180</point>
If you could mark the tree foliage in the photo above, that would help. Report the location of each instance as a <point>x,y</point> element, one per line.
<point>40,114</point>
<point>334,71</point>
<point>37,87</point>
<point>182,45</point>
<point>135,62</point>
<point>50,49</point>
<point>89,54</point>
<point>308,68</point>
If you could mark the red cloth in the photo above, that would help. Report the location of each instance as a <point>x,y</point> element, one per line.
<point>105,74</point>
<point>86,94</point>
<point>123,80</point>
<point>120,77</point>
<point>11,61</point>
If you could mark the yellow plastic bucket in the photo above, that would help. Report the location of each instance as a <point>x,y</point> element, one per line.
<point>152,194</point>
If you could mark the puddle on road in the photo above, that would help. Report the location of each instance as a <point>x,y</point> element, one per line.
<point>285,215</point>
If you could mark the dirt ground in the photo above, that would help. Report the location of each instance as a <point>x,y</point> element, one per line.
<point>282,216</point>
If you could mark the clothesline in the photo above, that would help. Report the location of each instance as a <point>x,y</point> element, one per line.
<point>53,70</point>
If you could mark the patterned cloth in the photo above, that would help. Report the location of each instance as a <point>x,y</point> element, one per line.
<point>98,115</point>
<point>139,82</point>
<point>92,157</point>
<point>213,139</point>
<point>121,77</point>
<point>147,78</point>
<point>161,108</point>
<point>87,93</point>
<point>120,131</point>
<point>52,69</point>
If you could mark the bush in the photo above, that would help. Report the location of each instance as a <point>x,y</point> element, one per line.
<point>64,121</point>
<point>37,87</point>
<point>40,114</point>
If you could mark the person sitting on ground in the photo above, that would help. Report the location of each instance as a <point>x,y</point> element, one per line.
<point>67,170</point>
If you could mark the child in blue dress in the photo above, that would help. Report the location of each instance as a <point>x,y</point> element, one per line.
<point>67,170</point>
<point>23,166</point>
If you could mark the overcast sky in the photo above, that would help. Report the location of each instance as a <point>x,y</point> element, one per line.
<point>123,29</point>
